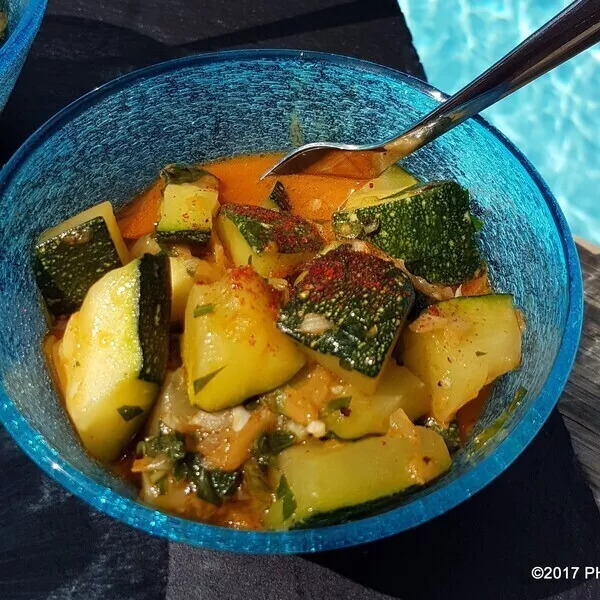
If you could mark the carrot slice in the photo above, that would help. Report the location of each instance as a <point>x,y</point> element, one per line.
<point>140,217</point>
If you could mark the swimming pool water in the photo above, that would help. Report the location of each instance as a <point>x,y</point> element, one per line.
<point>555,120</point>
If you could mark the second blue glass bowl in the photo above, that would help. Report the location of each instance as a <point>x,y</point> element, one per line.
<point>111,143</point>
<point>24,19</point>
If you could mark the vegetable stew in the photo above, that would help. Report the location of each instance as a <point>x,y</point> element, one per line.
<point>278,353</point>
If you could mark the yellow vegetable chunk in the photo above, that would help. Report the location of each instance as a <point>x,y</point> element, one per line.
<point>182,281</point>
<point>352,415</point>
<point>275,243</point>
<point>458,346</point>
<point>325,477</point>
<point>113,355</point>
<point>103,210</point>
<point>391,181</point>
<point>231,348</point>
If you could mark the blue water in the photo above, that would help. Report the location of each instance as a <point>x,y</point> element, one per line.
<point>555,120</point>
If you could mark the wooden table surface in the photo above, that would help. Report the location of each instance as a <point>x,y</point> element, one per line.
<point>580,402</point>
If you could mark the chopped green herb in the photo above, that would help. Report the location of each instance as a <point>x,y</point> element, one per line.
<point>339,403</point>
<point>250,260</point>
<point>205,309</point>
<point>203,381</point>
<point>270,444</point>
<point>210,486</point>
<point>225,482</point>
<point>477,223</point>
<point>479,353</point>
<point>171,444</point>
<point>255,477</point>
<point>285,494</point>
<point>128,412</point>
<point>200,480</point>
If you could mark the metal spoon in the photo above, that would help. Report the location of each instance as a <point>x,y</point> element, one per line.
<point>566,35</point>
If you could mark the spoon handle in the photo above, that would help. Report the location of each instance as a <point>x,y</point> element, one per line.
<point>567,34</point>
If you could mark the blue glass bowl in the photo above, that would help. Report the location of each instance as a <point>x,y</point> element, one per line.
<point>111,143</point>
<point>24,18</point>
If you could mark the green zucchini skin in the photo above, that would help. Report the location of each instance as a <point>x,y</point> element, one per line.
<point>367,300</point>
<point>154,316</point>
<point>265,229</point>
<point>174,229</point>
<point>67,265</point>
<point>357,511</point>
<point>184,236</point>
<point>278,196</point>
<point>429,226</point>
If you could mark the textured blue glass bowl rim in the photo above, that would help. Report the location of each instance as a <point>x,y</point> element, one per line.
<point>310,540</point>
<point>24,32</point>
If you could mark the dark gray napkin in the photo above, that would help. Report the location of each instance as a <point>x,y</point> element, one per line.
<point>540,512</point>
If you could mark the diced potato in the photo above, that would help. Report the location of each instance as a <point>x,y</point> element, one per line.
<point>231,347</point>
<point>368,415</point>
<point>458,346</point>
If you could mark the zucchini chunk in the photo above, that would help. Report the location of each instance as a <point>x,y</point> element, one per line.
<point>275,243</point>
<point>347,310</point>
<point>277,199</point>
<point>183,267</point>
<point>189,204</point>
<point>70,257</point>
<point>458,346</point>
<point>114,354</point>
<point>231,348</point>
<point>332,482</point>
<point>391,181</point>
<point>429,226</point>
<point>352,415</point>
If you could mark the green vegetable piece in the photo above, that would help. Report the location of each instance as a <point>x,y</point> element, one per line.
<point>129,412</point>
<point>225,483</point>
<point>429,226</point>
<point>270,444</point>
<point>339,403</point>
<point>205,309</point>
<point>273,231</point>
<point>170,444</point>
<point>278,198</point>
<point>68,264</point>
<point>178,173</point>
<point>365,298</point>
<point>189,204</point>
<point>154,308</point>
<point>285,494</point>
<point>200,479</point>
<point>202,381</point>
<point>212,486</point>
